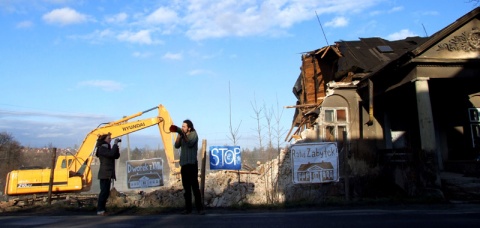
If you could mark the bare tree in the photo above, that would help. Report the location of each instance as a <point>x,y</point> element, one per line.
<point>258,117</point>
<point>233,132</point>
<point>279,130</point>
<point>10,154</point>
<point>269,183</point>
<point>268,114</point>
<point>279,133</point>
<point>268,173</point>
<point>273,126</point>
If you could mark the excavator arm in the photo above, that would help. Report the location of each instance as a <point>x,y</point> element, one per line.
<point>123,127</point>
<point>73,173</point>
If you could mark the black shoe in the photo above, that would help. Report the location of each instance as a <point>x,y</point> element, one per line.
<point>186,212</point>
<point>201,212</point>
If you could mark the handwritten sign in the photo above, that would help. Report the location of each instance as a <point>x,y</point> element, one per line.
<point>225,157</point>
<point>315,162</point>
<point>145,173</point>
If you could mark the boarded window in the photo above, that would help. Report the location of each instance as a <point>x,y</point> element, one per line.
<point>330,133</point>
<point>341,115</point>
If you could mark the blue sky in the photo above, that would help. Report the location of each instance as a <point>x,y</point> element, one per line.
<point>68,65</point>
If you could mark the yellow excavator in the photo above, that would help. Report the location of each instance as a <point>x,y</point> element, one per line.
<point>72,173</point>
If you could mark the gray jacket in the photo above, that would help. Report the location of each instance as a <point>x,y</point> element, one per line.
<point>189,148</point>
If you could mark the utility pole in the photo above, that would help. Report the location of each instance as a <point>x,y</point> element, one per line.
<point>50,185</point>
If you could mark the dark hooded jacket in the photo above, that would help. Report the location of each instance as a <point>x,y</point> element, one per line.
<point>107,156</point>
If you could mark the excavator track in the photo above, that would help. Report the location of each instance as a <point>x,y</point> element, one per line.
<point>34,199</point>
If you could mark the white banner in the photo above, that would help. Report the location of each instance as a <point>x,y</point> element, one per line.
<point>145,173</point>
<point>315,162</point>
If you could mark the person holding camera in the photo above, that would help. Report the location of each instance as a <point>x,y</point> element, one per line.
<point>107,155</point>
<point>187,141</point>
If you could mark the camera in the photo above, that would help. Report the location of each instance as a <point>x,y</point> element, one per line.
<point>119,140</point>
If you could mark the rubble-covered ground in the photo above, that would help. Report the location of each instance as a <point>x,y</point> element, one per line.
<point>269,186</point>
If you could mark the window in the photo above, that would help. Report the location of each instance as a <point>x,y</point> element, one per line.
<point>474,126</point>
<point>384,49</point>
<point>334,124</point>
<point>473,114</point>
<point>64,163</point>
<point>475,135</point>
<point>329,117</point>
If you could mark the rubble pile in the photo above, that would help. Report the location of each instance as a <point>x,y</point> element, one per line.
<point>6,206</point>
<point>269,183</point>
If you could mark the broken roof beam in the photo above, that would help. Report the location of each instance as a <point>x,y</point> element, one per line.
<point>306,105</point>
<point>325,51</point>
<point>301,106</point>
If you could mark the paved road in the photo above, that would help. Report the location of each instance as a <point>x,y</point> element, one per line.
<point>458,216</point>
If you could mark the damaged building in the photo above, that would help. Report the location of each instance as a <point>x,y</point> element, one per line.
<point>403,110</point>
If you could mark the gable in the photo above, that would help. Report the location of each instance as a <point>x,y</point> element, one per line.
<point>458,41</point>
<point>463,43</point>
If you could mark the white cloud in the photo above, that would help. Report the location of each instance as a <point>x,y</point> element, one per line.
<point>62,129</point>
<point>51,135</point>
<point>199,72</point>
<point>6,113</point>
<point>104,33</point>
<point>392,10</point>
<point>138,54</point>
<point>24,24</point>
<point>429,13</point>
<point>396,9</point>
<point>96,36</point>
<point>173,56</point>
<point>106,85</point>
<point>337,22</point>
<point>58,1</point>
<point>211,19</point>
<point>208,19</point>
<point>117,18</point>
<point>402,34</point>
<point>231,18</point>
<point>64,16</point>
<point>141,37</point>
<point>375,13</point>
<point>162,16</point>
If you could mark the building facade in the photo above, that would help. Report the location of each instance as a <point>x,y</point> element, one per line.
<point>404,110</point>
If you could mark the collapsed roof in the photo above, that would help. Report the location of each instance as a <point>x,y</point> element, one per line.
<point>345,61</point>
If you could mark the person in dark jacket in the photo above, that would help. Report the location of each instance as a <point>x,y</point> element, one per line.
<point>187,140</point>
<point>107,155</point>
